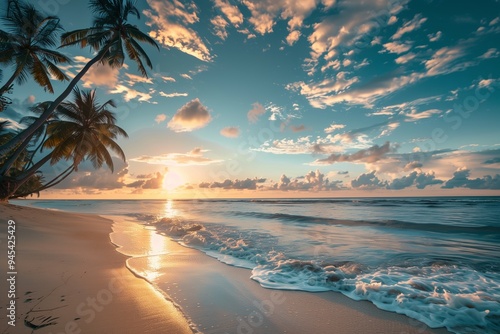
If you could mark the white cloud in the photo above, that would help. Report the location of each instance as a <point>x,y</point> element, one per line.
<point>172,94</point>
<point>192,158</point>
<point>397,47</point>
<point>393,19</point>
<point>186,76</point>
<point>101,75</point>
<point>133,79</point>
<point>405,58</point>
<point>410,26</point>
<point>191,116</point>
<point>444,61</point>
<point>130,93</point>
<point>435,37</point>
<point>491,53</point>
<point>369,155</point>
<point>219,26</point>
<point>334,127</point>
<point>160,118</point>
<point>169,20</point>
<point>414,115</point>
<point>293,37</point>
<point>231,12</point>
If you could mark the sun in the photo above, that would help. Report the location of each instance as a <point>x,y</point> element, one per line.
<point>171,181</point>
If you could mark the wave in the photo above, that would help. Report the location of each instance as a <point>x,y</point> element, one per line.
<point>439,291</point>
<point>444,228</point>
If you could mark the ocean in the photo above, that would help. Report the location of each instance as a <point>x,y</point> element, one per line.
<point>434,259</point>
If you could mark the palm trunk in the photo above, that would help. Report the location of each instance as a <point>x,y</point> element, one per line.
<point>9,82</point>
<point>26,134</point>
<point>55,181</point>
<point>9,185</point>
<point>29,172</point>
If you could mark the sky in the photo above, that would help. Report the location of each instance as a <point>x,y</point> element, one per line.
<point>282,98</point>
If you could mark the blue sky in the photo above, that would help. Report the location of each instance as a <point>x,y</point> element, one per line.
<point>298,98</point>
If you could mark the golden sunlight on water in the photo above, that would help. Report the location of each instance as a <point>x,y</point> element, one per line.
<point>157,246</point>
<point>170,211</point>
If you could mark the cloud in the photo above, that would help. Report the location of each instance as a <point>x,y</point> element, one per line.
<point>167,78</point>
<point>444,61</point>
<point>435,37</point>
<point>312,181</point>
<point>369,155</point>
<point>101,75</point>
<point>231,12</point>
<point>191,116</point>
<point>420,180</point>
<point>461,179</point>
<point>230,132</point>
<point>170,20</point>
<point>409,26</point>
<point>133,79</point>
<point>397,47</point>
<point>355,20</point>
<point>130,93</point>
<point>186,76</point>
<point>250,184</point>
<point>491,53</point>
<point>368,181</point>
<point>414,115</point>
<point>255,112</point>
<point>169,95</point>
<point>89,178</point>
<point>321,96</point>
<point>219,26</point>
<point>192,158</point>
<point>156,182</point>
<point>160,118</point>
<point>405,58</point>
<point>264,14</point>
<point>332,127</point>
<point>298,128</point>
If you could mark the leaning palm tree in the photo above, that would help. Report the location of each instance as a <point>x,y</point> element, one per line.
<point>110,37</point>
<point>27,46</point>
<point>83,130</point>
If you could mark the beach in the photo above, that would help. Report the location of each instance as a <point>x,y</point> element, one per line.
<point>71,279</point>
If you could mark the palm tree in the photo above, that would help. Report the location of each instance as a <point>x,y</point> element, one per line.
<point>110,32</point>
<point>27,46</point>
<point>83,130</point>
<point>4,100</point>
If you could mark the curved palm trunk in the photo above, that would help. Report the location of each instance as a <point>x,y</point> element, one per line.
<point>9,83</point>
<point>9,186</point>
<point>26,134</point>
<point>55,181</point>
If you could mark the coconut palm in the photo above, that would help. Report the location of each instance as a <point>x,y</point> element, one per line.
<point>27,46</point>
<point>83,130</point>
<point>109,37</point>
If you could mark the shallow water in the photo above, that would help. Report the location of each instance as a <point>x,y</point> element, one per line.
<point>433,259</point>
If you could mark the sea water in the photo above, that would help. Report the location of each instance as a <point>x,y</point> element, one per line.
<point>432,259</point>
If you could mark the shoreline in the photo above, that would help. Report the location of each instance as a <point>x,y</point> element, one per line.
<point>220,298</point>
<point>71,279</point>
<point>71,272</point>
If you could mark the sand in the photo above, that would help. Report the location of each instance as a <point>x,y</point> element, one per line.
<point>71,279</point>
